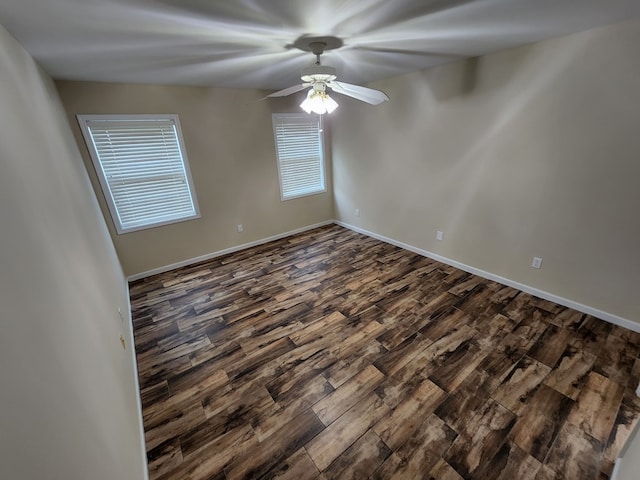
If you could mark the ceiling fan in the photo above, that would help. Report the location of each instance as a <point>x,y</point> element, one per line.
<point>320,77</point>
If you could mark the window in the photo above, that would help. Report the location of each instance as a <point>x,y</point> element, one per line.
<point>142,167</point>
<point>300,155</point>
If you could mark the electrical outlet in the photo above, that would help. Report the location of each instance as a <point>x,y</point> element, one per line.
<point>357,212</point>
<point>537,262</point>
<point>439,235</point>
<point>240,228</point>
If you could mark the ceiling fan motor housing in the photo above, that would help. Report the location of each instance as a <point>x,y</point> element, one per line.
<point>318,73</point>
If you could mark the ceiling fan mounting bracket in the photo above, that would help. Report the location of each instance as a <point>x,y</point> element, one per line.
<point>318,48</point>
<point>317,44</point>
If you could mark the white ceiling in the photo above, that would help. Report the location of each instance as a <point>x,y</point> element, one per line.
<point>245,43</point>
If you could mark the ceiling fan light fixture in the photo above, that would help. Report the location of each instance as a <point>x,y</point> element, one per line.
<point>320,77</point>
<point>319,102</point>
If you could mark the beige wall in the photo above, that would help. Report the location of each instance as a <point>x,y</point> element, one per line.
<point>534,151</point>
<point>229,141</point>
<point>68,398</point>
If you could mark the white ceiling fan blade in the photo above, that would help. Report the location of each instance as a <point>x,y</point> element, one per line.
<point>365,94</point>
<point>289,91</point>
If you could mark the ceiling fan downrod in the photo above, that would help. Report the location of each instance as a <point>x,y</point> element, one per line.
<point>317,48</point>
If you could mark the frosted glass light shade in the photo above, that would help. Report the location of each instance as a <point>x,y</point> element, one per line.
<point>318,102</point>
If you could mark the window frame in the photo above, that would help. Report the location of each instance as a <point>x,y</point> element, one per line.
<point>321,160</point>
<point>84,123</point>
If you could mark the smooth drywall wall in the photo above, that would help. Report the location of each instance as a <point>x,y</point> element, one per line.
<point>228,137</point>
<point>69,406</point>
<point>533,151</point>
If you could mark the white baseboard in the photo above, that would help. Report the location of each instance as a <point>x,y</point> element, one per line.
<point>609,317</point>
<point>136,379</point>
<point>616,468</point>
<point>219,253</point>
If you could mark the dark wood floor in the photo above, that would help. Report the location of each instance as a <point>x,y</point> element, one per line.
<point>333,355</point>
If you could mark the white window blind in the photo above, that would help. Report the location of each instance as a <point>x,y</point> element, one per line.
<point>299,151</point>
<point>142,167</point>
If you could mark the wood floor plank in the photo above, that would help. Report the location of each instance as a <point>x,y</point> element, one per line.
<point>158,368</point>
<point>591,335</point>
<point>443,471</point>
<point>443,317</point>
<point>510,462</point>
<point>571,373</point>
<point>224,399</point>
<point>500,361</point>
<point>472,394</point>
<point>161,408</point>
<point>407,378</point>
<point>348,367</point>
<point>173,423</point>
<point>617,360</point>
<point>575,454</point>
<point>293,383</point>
<point>402,323</point>
<point>241,412</point>
<point>272,419</point>
<point>396,428</point>
<point>484,306</point>
<point>346,396</point>
<point>548,473</point>
<point>491,329</point>
<point>338,436</point>
<point>297,466</point>
<point>597,406</point>
<point>531,327</point>
<point>212,460</point>
<point>260,460</point>
<point>536,430</point>
<point>393,361</point>
<point>257,359</point>
<point>419,453</point>
<point>520,308</point>
<point>483,436</point>
<point>360,337</point>
<point>154,393</point>
<point>312,330</point>
<point>550,346</point>
<point>450,370</point>
<point>256,342</point>
<point>569,319</point>
<point>165,457</point>
<point>329,354</point>
<point>360,460</point>
<point>521,383</point>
